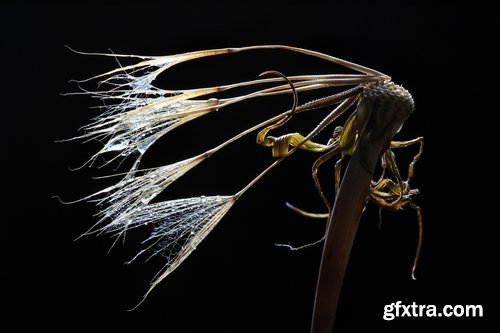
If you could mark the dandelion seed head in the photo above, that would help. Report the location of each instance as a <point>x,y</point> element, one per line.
<point>136,113</point>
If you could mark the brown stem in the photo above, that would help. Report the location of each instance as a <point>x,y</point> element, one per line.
<point>338,243</point>
<point>380,127</point>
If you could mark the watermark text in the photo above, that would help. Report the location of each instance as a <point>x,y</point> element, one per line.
<point>414,310</point>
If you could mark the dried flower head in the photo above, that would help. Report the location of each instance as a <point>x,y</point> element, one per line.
<point>136,113</point>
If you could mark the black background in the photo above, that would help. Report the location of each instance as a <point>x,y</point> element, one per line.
<point>237,280</point>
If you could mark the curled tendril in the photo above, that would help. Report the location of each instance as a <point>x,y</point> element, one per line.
<point>280,146</point>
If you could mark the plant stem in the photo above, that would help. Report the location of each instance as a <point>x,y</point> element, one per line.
<point>380,127</point>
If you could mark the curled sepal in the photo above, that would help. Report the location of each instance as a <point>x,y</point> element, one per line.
<point>281,145</point>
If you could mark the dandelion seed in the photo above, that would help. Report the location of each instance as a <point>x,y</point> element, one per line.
<point>133,192</point>
<point>136,130</point>
<point>140,113</point>
<point>179,227</point>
